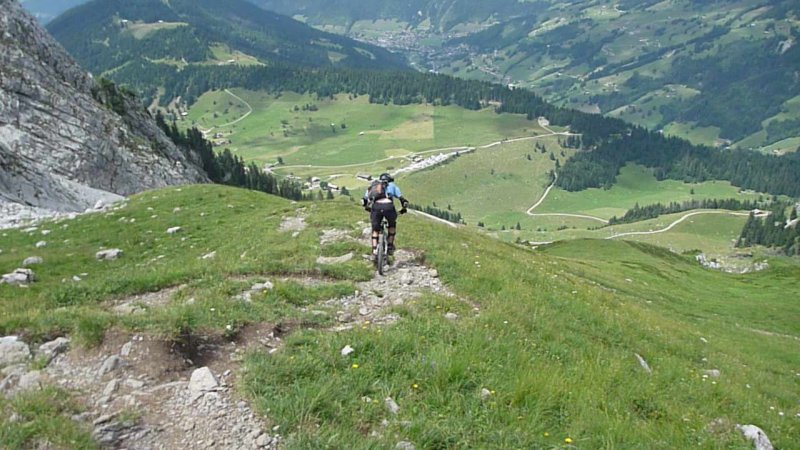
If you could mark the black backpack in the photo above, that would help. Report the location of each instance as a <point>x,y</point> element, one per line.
<point>377,190</point>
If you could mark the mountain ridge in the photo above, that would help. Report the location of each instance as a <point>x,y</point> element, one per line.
<point>67,141</point>
<point>106,34</point>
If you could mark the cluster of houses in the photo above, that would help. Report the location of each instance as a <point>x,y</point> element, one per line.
<point>317,183</point>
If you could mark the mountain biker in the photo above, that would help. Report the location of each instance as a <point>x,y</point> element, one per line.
<point>379,201</point>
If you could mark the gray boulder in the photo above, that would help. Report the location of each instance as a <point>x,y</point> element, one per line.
<point>13,351</point>
<point>108,255</point>
<point>109,365</point>
<point>31,261</point>
<point>757,435</point>
<point>202,381</point>
<point>53,348</point>
<point>19,276</point>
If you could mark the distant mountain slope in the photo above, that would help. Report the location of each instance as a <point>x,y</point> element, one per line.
<point>718,73</point>
<point>439,14</point>
<point>47,10</point>
<point>67,141</point>
<point>106,34</point>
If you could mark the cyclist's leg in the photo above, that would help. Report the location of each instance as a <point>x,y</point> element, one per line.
<point>375,219</point>
<point>391,218</point>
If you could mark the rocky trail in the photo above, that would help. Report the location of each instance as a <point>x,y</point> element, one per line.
<point>147,392</point>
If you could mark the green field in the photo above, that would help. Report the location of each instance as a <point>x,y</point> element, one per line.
<point>140,30</point>
<point>279,126</point>
<point>552,336</point>
<point>635,184</point>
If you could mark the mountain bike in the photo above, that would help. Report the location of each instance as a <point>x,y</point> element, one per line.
<point>381,256</point>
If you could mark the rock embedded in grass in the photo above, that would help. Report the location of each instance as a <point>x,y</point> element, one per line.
<point>391,405</point>
<point>108,255</point>
<point>173,230</point>
<point>13,351</point>
<point>757,435</point>
<point>50,350</point>
<point>713,373</point>
<point>31,261</point>
<point>328,261</point>
<point>19,276</point>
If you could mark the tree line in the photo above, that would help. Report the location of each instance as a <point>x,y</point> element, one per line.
<point>227,168</point>
<point>640,213</point>
<point>450,216</point>
<point>677,159</point>
<point>773,231</point>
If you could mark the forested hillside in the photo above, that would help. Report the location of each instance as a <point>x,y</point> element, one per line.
<point>719,73</point>
<point>439,14</point>
<point>107,35</point>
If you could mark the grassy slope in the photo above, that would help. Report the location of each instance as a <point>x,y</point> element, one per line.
<point>713,233</point>
<point>554,341</point>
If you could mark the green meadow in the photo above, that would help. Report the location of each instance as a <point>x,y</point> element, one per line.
<point>550,337</point>
<point>635,184</point>
<point>345,130</point>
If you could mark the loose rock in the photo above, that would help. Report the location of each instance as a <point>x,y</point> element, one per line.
<point>202,381</point>
<point>41,244</point>
<point>643,363</point>
<point>108,255</point>
<point>19,276</point>
<point>260,287</point>
<point>109,365</point>
<point>54,348</point>
<point>757,435</point>
<point>323,260</point>
<point>713,373</point>
<point>347,350</point>
<point>30,381</point>
<point>173,230</point>
<point>33,260</point>
<point>404,445</point>
<point>485,394</point>
<point>451,316</point>
<point>13,351</point>
<point>391,405</point>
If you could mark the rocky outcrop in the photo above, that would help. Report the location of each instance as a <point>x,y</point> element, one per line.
<point>66,140</point>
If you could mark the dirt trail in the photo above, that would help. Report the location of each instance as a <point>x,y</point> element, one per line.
<point>142,392</point>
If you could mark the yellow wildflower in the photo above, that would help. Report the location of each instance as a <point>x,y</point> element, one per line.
<point>354,366</point>
<point>546,434</point>
<point>568,440</point>
<point>415,386</point>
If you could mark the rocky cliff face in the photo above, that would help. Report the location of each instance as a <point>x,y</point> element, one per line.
<point>67,141</point>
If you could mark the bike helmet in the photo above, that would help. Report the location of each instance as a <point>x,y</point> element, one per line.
<point>386,178</point>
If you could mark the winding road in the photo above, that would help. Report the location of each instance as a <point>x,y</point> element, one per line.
<point>673,224</point>
<point>544,197</point>
<point>250,111</point>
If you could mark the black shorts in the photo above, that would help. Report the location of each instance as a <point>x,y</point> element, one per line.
<point>381,211</point>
